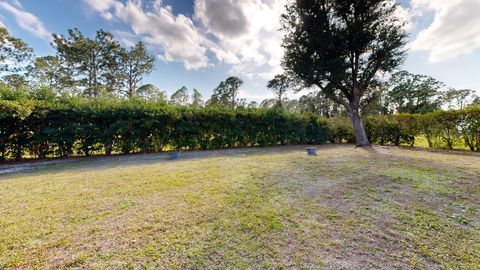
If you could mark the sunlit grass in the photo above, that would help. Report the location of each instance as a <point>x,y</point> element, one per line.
<point>267,208</point>
<point>422,142</point>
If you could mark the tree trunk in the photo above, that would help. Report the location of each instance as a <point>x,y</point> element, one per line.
<point>108,149</point>
<point>361,134</point>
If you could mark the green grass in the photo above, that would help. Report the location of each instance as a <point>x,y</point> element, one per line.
<point>271,208</point>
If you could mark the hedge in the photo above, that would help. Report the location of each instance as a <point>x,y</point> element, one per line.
<point>43,129</point>
<point>442,129</point>
<point>40,129</point>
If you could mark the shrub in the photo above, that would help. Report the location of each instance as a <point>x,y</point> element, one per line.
<point>395,129</point>
<point>46,128</point>
<point>80,127</point>
<point>341,130</point>
<point>470,127</point>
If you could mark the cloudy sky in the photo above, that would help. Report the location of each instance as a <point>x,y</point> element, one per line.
<point>198,43</point>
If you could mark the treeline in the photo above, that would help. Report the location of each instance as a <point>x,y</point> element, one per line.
<point>41,128</point>
<point>401,92</point>
<point>90,67</point>
<point>100,67</point>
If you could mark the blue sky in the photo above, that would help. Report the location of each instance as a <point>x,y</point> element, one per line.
<point>198,43</point>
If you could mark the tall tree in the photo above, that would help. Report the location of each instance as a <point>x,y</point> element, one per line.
<point>475,101</point>
<point>225,95</point>
<point>458,98</point>
<point>135,64</point>
<point>13,52</point>
<point>48,71</point>
<point>15,81</point>
<point>197,99</point>
<point>151,92</point>
<point>292,106</point>
<point>280,85</point>
<point>94,62</point>
<point>316,103</point>
<point>340,46</point>
<point>414,93</point>
<point>180,97</point>
<point>268,103</point>
<point>375,101</point>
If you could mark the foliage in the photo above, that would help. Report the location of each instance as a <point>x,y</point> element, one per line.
<point>50,72</point>
<point>151,92</point>
<point>396,129</point>
<point>42,124</point>
<point>180,97</point>
<point>340,46</point>
<point>135,64</point>
<point>475,101</point>
<point>76,126</point>
<point>280,85</point>
<point>470,127</point>
<point>341,130</point>
<point>455,129</point>
<point>15,80</point>
<point>93,62</point>
<point>197,99</point>
<point>458,98</point>
<point>225,95</point>
<point>13,52</point>
<point>414,93</point>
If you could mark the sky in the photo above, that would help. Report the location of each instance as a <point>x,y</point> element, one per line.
<point>198,43</point>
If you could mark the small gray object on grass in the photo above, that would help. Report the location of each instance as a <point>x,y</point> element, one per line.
<point>174,155</point>
<point>311,151</point>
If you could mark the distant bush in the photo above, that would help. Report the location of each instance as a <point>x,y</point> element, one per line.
<point>60,129</point>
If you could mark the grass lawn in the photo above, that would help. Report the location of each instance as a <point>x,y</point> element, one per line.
<point>347,208</point>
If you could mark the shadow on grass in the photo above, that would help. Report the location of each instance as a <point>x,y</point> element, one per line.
<point>122,161</point>
<point>80,164</point>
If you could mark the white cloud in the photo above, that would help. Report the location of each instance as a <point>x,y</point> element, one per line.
<point>175,36</point>
<point>126,38</point>
<point>16,3</point>
<point>247,31</point>
<point>243,33</point>
<point>455,29</point>
<point>26,20</point>
<point>104,7</point>
<point>406,16</point>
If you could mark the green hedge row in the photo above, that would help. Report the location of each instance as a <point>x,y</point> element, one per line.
<point>40,129</point>
<point>441,129</point>
<point>458,129</point>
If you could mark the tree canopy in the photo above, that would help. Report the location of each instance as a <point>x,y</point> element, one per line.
<point>225,95</point>
<point>340,46</point>
<point>280,85</point>
<point>13,52</point>
<point>414,93</point>
<point>134,64</point>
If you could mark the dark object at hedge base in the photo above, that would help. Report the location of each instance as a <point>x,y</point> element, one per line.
<point>312,151</point>
<point>174,155</point>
